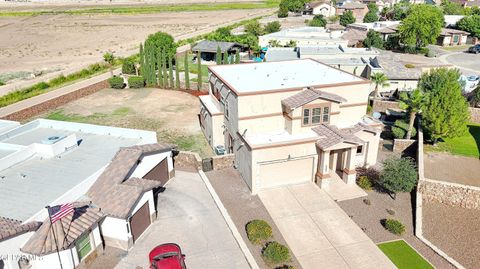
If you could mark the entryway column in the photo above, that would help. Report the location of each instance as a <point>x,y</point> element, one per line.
<point>322,166</point>
<point>349,172</point>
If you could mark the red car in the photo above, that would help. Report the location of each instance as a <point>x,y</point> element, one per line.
<point>167,256</point>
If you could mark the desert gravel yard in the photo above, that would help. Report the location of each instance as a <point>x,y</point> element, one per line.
<point>452,168</point>
<point>368,218</point>
<point>455,230</point>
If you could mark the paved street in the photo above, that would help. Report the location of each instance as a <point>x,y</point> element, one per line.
<point>188,216</point>
<point>468,63</point>
<point>318,231</point>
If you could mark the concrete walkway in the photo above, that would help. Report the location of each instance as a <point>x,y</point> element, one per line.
<point>188,216</point>
<point>318,231</point>
<point>338,190</point>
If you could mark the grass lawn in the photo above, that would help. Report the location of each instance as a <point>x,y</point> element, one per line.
<point>466,145</point>
<point>192,67</point>
<point>404,256</point>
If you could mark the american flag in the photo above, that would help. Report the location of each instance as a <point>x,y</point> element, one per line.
<point>59,211</point>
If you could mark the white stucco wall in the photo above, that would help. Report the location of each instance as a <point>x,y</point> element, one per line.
<point>10,250</point>
<point>115,228</point>
<point>148,162</point>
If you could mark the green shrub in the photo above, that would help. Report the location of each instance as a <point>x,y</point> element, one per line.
<point>394,226</point>
<point>409,66</point>
<point>2,83</point>
<point>400,128</point>
<point>285,266</point>
<point>116,82</point>
<point>136,82</point>
<point>275,252</point>
<point>365,183</point>
<point>431,54</point>
<point>398,175</point>
<point>128,67</point>
<point>282,12</point>
<point>258,231</point>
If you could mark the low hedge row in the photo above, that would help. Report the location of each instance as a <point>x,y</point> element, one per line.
<point>136,82</point>
<point>258,231</point>
<point>275,252</point>
<point>116,82</point>
<point>394,226</point>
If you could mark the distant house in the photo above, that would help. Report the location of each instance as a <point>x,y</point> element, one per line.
<point>326,9</point>
<point>305,36</point>
<point>208,49</point>
<point>468,3</point>
<point>385,28</point>
<point>358,9</point>
<point>452,37</point>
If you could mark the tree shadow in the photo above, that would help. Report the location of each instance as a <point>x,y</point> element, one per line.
<point>475,132</point>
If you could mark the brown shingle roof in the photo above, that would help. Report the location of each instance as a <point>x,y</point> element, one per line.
<point>66,230</point>
<point>113,192</point>
<point>331,136</point>
<point>308,95</point>
<point>10,228</point>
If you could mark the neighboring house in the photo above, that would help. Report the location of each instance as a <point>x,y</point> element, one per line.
<point>352,60</point>
<point>305,36</point>
<point>452,37</point>
<point>290,122</point>
<point>468,3</point>
<point>401,77</point>
<point>208,49</point>
<point>47,162</point>
<point>358,9</point>
<point>385,28</point>
<point>125,191</point>
<point>326,9</point>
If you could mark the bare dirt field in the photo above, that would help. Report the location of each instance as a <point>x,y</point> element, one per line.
<point>455,230</point>
<point>452,168</point>
<point>65,43</point>
<point>172,114</point>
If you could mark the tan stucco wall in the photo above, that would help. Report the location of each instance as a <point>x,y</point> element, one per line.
<point>370,151</point>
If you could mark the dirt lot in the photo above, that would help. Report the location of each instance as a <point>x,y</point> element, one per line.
<point>65,43</point>
<point>172,114</point>
<point>455,230</point>
<point>452,168</point>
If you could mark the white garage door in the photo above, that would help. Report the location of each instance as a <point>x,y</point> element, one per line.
<point>286,172</point>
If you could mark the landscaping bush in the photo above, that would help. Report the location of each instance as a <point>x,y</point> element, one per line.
<point>275,252</point>
<point>2,83</point>
<point>258,231</point>
<point>136,82</point>
<point>398,175</point>
<point>365,183</point>
<point>128,67</point>
<point>409,66</point>
<point>394,226</point>
<point>285,266</point>
<point>116,82</point>
<point>400,129</point>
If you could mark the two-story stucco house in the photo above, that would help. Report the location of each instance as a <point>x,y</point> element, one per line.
<point>289,122</point>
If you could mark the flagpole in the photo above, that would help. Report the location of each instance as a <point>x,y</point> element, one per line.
<point>54,237</point>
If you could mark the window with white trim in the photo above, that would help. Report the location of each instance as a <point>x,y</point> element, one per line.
<point>83,246</point>
<point>314,115</point>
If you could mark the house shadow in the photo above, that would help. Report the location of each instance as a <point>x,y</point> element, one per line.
<point>474,130</point>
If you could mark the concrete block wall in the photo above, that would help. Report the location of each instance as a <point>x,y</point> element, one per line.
<point>223,161</point>
<point>451,194</point>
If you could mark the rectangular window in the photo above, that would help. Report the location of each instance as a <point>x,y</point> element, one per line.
<point>316,115</point>
<point>326,114</point>
<point>83,246</point>
<point>227,112</point>
<point>306,116</point>
<point>359,150</point>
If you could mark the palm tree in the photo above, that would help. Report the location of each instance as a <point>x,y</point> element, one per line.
<point>380,80</point>
<point>413,103</point>
<point>109,58</point>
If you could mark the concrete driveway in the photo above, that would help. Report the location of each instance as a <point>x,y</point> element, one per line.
<point>318,231</point>
<point>188,216</point>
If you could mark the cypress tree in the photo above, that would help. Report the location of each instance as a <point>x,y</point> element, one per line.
<point>170,71</point>
<point>187,73</point>
<point>165,72</point>
<point>177,74</point>
<point>159,72</point>
<point>237,57</point>
<point>146,67</point>
<point>199,76</point>
<point>218,56</point>
<point>141,61</point>
<point>151,65</point>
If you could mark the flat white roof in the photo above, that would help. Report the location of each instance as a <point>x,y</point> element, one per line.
<point>252,77</point>
<point>33,182</point>
<point>280,136</point>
